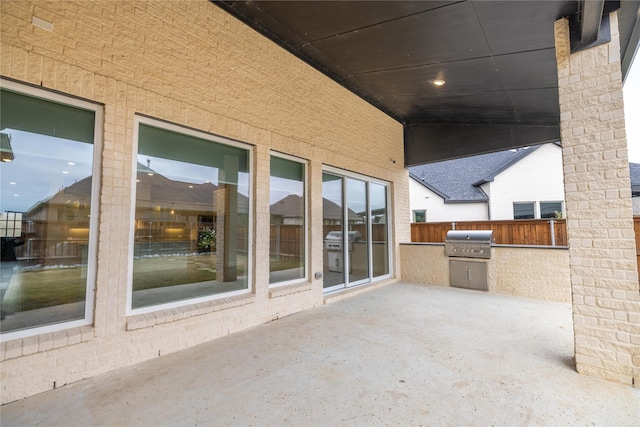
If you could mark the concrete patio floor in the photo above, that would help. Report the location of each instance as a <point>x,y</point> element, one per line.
<point>403,354</point>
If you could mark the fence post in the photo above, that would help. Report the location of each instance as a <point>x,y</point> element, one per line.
<point>553,232</point>
<point>453,225</point>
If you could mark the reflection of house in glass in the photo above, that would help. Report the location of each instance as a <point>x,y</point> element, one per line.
<point>57,228</point>
<point>288,211</point>
<point>173,216</point>
<point>332,213</point>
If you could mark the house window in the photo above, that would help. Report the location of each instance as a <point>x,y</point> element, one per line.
<point>48,209</point>
<point>192,216</point>
<point>551,210</point>
<point>420,216</point>
<point>287,242</point>
<point>524,210</point>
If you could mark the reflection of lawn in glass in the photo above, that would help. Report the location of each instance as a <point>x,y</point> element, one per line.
<point>51,287</point>
<point>161,271</point>
<point>281,264</point>
<point>46,288</point>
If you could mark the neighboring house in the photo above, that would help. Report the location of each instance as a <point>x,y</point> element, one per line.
<point>635,187</point>
<point>512,184</point>
<point>287,212</point>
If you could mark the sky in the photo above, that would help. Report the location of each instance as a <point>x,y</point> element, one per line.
<point>631,93</point>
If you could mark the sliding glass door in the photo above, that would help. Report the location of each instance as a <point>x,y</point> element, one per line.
<point>355,229</point>
<point>357,241</point>
<point>332,219</point>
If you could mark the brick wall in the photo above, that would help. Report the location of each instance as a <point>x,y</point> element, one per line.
<point>190,63</point>
<point>540,273</point>
<point>604,277</point>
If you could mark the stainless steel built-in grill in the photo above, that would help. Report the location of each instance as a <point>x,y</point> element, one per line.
<point>469,274</point>
<point>469,243</point>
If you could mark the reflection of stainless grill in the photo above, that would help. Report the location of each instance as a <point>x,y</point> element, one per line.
<point>469,243</point>
<point>333,245</point>
<point>333,240</point>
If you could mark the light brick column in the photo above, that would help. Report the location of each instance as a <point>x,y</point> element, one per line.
<point>604,277</point>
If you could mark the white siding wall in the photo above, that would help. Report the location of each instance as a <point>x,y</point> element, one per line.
<point>437,211</point>
<point>537,177</point>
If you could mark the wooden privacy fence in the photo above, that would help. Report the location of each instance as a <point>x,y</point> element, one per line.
<point>287,240</point>
<point>545,232</point>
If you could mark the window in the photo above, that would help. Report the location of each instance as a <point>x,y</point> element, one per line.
<point>287,243</point>
<point>379,229</point>
<point>48,209</point>
<point>524,210</point>
<point>191,229</point>
<point>355,228</point>
<point>420,216</point>
<point>551,210</point>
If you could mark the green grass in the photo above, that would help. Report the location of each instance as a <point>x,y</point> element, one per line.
<point>158,272</point>
<point>52,287</point>
<point>279,264</point>
<point>46,288</point>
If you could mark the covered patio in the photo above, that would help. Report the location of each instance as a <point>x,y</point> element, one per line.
<point>406,354</point>
<point>252,103</point>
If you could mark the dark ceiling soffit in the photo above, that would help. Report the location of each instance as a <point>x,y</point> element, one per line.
<point>629,55</point>
<point>590,27</point>
<point>429,143</point>
<point>234,9</point>
<point>590,17</point>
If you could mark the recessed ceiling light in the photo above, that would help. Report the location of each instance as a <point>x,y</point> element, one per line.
<point>191,186</point>
<point>12,183</point>
<point>439,82</point>
<point>65,172</point>
<point>150,174</point>
<point>71,163</point>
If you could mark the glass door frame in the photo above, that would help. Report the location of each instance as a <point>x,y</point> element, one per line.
<point>344,175</point>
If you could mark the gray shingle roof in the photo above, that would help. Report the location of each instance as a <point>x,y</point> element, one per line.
<point>459,180</point>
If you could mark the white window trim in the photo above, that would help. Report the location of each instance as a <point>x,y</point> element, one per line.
<point>140,119</point>
<point>92,260</point>
<point>305,163</point>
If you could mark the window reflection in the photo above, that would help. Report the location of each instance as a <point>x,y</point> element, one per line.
<point>379,230</point>
<point>287,221</point>
<point>356,239</point>
<point>358,249</point>
<point>191,221</point>
<point>44,224</point>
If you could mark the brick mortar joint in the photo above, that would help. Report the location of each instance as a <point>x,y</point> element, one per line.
<point>24,341</point>
<point>141,321</point>
<point>282,291</point>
